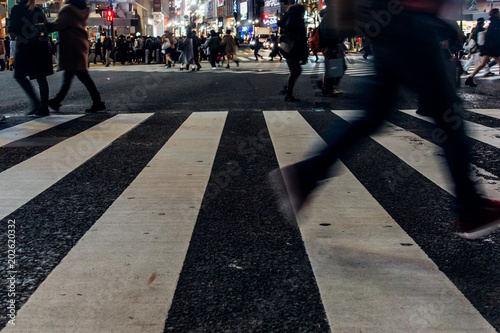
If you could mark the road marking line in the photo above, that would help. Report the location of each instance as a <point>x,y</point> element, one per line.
<point>367,280</point>
<point>26,180</point>
<point>32,127</point>
<point>122,274</point>
<point>425,157</point>
<point>478,132</point>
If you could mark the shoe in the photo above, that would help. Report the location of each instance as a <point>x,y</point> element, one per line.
<point>271,59</point>
<point>465,73</point>
<point>42,113</point>
<point>168,66</point>
<point>237,63</point>
<point>54,105</point>
<point>2,119</point>
<point>214,67</point>
<point>99,106</point>
<point>107,65</point>
<point>291,98</point>
<point>469,82</point>
<point>290,188</point>
<point>483,222</point>
<point>488,74</point>
<point>228,67</point>
<point>198,68</point>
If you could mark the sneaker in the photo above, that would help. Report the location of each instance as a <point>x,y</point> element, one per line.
<point>489,74</point>
<point>214,67</point>
<point>290,188</point>
<point>54,105</point>
<point>469,82</point>
<point>482,223</point>
<point>100,106</point>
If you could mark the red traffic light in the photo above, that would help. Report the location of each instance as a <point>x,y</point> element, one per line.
<point>109,15</point>
<point>266,16</point>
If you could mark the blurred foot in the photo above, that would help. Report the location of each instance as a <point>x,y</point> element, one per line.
<point>470,83</point>
<point>483,222</point>
<point>489,74</point>
<point>100,106</point>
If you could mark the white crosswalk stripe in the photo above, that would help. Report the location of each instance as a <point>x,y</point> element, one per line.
<point>367,280</point>
<point>26,180</point>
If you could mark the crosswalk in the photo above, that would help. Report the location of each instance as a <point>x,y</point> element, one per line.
<point>165,223</point>
<point>358,67</point>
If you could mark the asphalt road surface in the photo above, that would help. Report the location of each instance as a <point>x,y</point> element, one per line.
<point>157,215</point>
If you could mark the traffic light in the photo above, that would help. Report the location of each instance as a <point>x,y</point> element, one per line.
<point>109,15</point>
<point>266,16</point>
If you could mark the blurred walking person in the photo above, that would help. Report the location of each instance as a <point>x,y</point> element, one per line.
<point>473,45</point>
<point>98,50</point>
<point>2,54</point>
<point>294,34</point>
<point>407,51</point>
<point>212,45</point>
<point>107,46</point>
<point>491,47</point>
<point>229,45</point>
<point>28,26</point>
<point>71,23</point>
<point>257,45</point>
<point>187,56</point>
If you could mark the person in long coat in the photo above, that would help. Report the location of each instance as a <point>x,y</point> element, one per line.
<point>73,52</point>
<point>187,56</point>
<point>229,48</point>
<point>28,26</point>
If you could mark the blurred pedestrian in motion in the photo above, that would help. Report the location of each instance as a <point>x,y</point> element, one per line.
<point>257,45</point>
<point>333,50</point>
<point>212,45</point>
<point>7,51</point>
<point>275,48</point>
<point>32,53</point>
<point>187,56</point>
<point>2,54</point>
<point>473,45</point>
<point>169,49</point>
<point>107,45</point>
<point>293,45</point>
<point>229,45</point>
<point>98,51</point>
<point>491,47</point>
<point>407,51</point>
<point>71,23</point>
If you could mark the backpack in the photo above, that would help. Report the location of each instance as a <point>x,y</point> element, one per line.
<point>314,40</point>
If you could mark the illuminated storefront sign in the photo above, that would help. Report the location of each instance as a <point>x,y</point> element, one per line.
<point>243,10</point>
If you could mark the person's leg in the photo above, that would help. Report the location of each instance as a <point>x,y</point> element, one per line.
<point>87,81</point>
<point>43,85</point>
<point>66,84</point>
<point>484,62</point>
<point>28,89</point>
<point>295,70</point>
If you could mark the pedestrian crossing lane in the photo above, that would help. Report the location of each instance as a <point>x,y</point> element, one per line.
<point>366,279</point>
<point>359,268</point>
<point>26,180</point>
<point>100,285</point>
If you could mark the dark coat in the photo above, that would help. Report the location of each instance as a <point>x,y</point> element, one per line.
<point>213,44</point>
<point>293,27</point>
<point>33,57</point>
<point>73,38</point>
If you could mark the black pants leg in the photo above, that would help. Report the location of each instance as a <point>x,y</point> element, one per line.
<point>87,81</point>
<point>28,89</point>
<point>295,70</point>
<point>66,84</point>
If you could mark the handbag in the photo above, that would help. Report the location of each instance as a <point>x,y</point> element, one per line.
<point>166,44</point>
<point>334,67</point>
<point>286,43</point>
